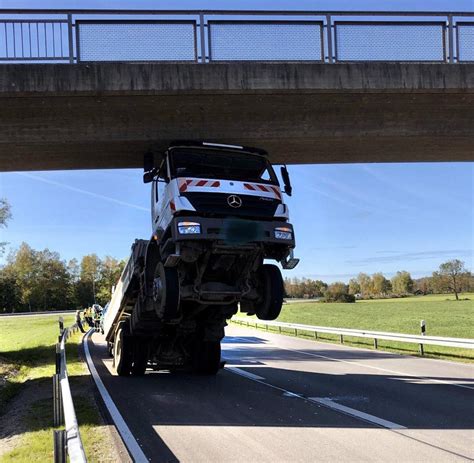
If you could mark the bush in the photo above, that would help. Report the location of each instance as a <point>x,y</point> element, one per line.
<point>338,292</point>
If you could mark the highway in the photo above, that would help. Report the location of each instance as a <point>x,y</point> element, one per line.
<point>288,399</point>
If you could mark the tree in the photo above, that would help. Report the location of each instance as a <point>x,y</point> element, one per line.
<point>354,286</point>
<point>110,272</point>
<point>90,273</point>
<point>5,216</point>
<point>381,286</point>
<point>365,283</point>
<point>402,283</point>
<point>453,274</point>
<point>22,265</point>
<point>338,292</point>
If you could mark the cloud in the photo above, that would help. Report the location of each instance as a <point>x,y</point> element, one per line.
<point>413,256</point>
<point>84,192</point>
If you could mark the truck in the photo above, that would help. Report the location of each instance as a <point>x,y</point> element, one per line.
<point>218,216</point>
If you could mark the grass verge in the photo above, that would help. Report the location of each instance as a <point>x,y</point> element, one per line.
<point>27,364</point>
<point>443,315</point>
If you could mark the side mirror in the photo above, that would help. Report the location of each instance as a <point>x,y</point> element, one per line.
<point>286,180</point>
<point>148,176</point>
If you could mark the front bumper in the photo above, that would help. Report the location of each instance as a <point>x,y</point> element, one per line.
<point>233,231</point>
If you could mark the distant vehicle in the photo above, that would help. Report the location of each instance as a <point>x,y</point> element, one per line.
<point>217,213</point>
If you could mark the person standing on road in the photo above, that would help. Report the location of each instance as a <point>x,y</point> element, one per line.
<point>88,315</point>
<point>78,321</point>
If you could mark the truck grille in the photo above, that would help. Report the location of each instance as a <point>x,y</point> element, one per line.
<point>216,204</point>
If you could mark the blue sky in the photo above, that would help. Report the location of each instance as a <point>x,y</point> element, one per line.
<point>348,218</point>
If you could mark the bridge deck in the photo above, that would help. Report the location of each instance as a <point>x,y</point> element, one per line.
<point>107,115</point>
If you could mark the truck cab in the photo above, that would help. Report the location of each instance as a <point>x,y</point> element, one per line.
<point>217,216</point>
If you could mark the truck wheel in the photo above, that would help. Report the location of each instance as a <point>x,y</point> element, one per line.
<point>272,292</point>
<point>166,292</point>
<point>140,357</point>
<point>122,352</point>
<point>208,358</point>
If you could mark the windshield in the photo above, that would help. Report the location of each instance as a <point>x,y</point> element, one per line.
<point>226,165</point>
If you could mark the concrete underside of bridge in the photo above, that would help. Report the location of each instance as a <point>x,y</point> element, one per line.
<point>106,115</point>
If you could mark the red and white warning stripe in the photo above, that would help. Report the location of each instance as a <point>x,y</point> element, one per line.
<point>184,183</point>
<point>267,188</point>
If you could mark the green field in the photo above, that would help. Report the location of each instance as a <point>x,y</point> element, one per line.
<point>443,315</point>
<point>26,408</point>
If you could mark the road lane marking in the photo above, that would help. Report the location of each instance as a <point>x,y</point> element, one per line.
<point>247,374</point>
<point>326,403</point>
<point>132,445</point>
<point>407,375</point>
<point>329,403</point>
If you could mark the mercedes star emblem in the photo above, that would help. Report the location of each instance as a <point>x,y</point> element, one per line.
<point>234,201</point>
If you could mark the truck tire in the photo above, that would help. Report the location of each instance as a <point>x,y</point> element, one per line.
<point>122,352</point>
<point>166,292</point>
<point>208,358</point>
<point>272,293</point>
<point>140,357</point>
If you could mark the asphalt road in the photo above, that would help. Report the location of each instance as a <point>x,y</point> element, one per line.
<point>288,399</point>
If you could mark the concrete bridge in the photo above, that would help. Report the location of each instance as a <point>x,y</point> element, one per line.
<point>106,115</point>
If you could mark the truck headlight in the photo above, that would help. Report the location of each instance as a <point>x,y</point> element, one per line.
<point>189,228</point>
<point>283,233</point>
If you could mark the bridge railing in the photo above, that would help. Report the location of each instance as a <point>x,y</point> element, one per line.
<point>72,36</point>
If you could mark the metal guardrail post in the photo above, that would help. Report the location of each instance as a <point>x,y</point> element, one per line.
<point>376,344</point>
<point>341,338</point>
<point>56,404</point>
<point>58,357</point>
<point>60,448</point>
<point>423,332</point>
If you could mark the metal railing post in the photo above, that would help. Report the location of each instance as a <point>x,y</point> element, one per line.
<point>376,344</point>
<point>202,37</point>
<point>329,38</point>
<point>70,38</point>
<point>450,39</point>
<point>59,446</point>
<point>58,358</point>
<point>55,400</point>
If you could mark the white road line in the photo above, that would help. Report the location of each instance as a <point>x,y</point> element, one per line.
<point>328,404</point>
<point>408,375</point>
<point>349,362</point>
<point>132,445</point>
<point>247,374</point>
<point>356,413</point>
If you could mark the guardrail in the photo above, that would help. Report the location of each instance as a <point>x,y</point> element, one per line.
<point>66,441</point>
<point>203,36</point>
<point>375,335</point>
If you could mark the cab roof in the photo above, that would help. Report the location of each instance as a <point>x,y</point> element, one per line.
<point>217,146</point>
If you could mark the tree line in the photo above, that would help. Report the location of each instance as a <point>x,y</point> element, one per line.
<point>451,277</point>
<point>40,280</point>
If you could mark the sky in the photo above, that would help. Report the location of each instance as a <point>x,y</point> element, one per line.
<point>348,218</point>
